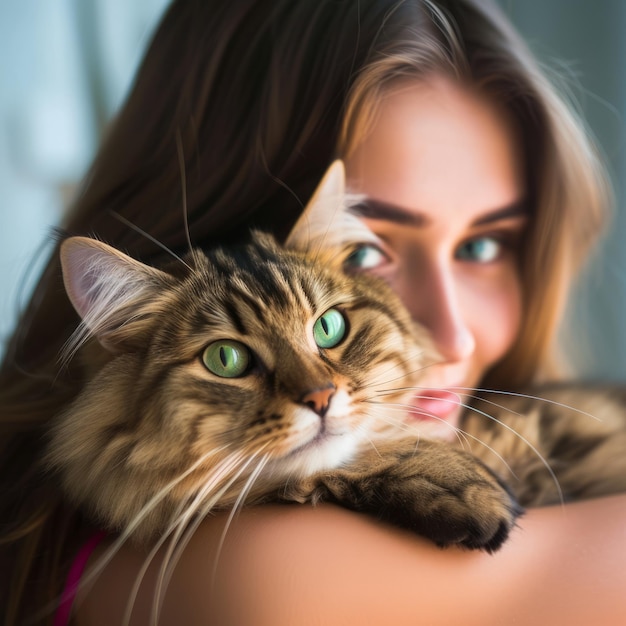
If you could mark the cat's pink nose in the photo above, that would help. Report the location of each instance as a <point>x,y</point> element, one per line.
<point>318,400</point>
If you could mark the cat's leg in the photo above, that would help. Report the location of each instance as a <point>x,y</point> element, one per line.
<point>439,492</point>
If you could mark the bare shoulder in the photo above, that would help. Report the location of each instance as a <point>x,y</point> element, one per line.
<point>295,565</point>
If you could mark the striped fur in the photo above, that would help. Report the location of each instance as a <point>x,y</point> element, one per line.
<point>155,435</point>
<point>155,441</point>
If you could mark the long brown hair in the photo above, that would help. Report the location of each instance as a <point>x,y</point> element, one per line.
<point>246,102</point>
<point>567,192</point>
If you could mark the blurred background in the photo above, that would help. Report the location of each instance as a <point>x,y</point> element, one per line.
<point>66,65</point>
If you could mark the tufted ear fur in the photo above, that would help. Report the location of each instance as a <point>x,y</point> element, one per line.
<point>326,224</point>
<point>113,293</point>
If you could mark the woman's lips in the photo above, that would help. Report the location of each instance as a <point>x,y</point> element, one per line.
<point>434,404</point>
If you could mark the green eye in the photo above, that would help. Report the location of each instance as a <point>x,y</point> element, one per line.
<point>228,359</point>
<point>329,329</point>
<point>480,250</point>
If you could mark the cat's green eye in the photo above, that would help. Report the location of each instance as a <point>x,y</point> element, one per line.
<point>226,358</point>
<point>329,329</point>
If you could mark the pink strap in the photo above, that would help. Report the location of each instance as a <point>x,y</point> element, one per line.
<point>62,615</point>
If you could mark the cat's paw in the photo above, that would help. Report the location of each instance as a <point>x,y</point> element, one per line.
<point>476,513</point>
<point>451,498</point>
<point>443,494</point>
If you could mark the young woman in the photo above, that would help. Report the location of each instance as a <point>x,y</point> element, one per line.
<point>486,194</point>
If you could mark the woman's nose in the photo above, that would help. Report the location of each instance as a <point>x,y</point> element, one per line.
<point>435,302</point>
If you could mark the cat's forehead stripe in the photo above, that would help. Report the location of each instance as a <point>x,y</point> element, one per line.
<point>250,301</point>
<point>259,289</point>
<point>235,318</point>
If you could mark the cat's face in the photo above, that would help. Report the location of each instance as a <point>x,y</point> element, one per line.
<point>281,358</point>
<point>253,352</point>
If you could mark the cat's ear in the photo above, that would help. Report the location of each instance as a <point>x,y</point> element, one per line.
<point>327,224</point>
<point>112,293</point>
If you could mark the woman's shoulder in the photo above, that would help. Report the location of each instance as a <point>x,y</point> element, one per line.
<point>297,565</point>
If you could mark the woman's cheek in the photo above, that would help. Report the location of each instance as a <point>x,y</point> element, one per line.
<point>496,312</point>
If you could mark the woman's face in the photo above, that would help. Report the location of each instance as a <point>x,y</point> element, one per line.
<point>443,184</point>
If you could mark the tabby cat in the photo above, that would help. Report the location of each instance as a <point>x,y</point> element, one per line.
<point>259,372</point>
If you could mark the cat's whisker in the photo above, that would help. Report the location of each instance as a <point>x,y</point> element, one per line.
<point>561,405</point>
<point>461,435</point>
<point>198,509</point>
<point>406,408</point>
<point>235,509</point>
<point>521,437</point>
<point>504,393</point>
<point>95,570</point>
<point>163,538</point>
<point>279,181</point>
<point>130,604</point>
<point>524,440</point>
<point>510,410</point>
<point>403,375</point>
<point>179,527</point>
<point>183,183</point>
<point>491,449</point>
<point>148,236</point>
<point>179,517</point>
<point>458,401</point>
<point>388,419</point>
<point>89,576</point>
<point>459,432</point>
<point>364,433</point>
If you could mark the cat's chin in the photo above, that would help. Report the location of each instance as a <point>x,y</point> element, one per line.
<point>323,452</point>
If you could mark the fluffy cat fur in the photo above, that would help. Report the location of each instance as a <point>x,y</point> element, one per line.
<point>156,440</point>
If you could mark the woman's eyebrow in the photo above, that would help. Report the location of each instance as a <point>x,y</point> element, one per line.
<point>373,209</point>
<point>517,209</point>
